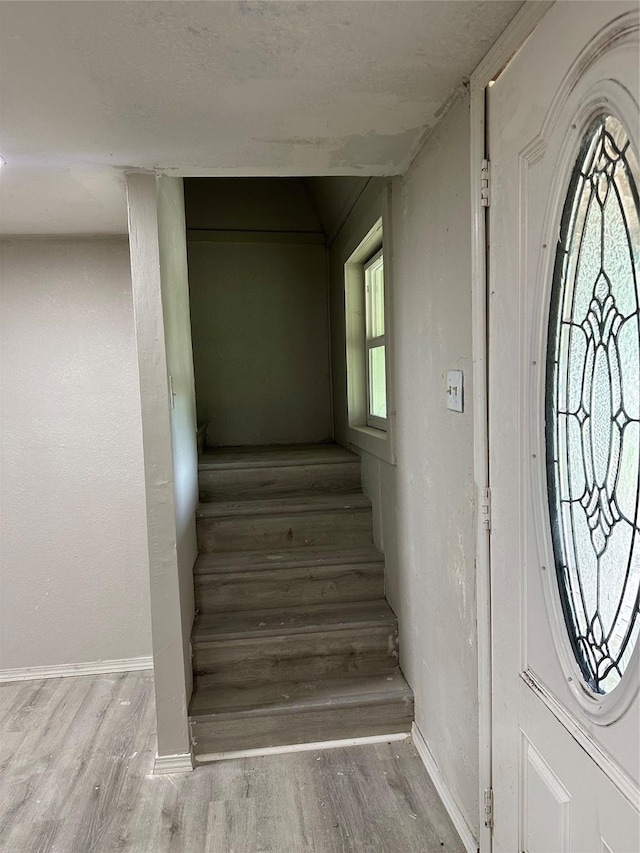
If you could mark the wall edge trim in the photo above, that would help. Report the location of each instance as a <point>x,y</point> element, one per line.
<point>453,810</point>
<point>182,762</point>
<point>311,746</point>
<point>510,40</point>
<point>64,670</point>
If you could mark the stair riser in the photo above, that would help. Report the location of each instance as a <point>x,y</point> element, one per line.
<point>346,527</point>
<point>307,558</point>
<point>281,481</point>
<point>288,587</point>
<point>293,657</point>
<point>214,736</point>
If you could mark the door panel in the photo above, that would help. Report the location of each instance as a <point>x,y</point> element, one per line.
<point>566,760</point>
<point>545,803</point>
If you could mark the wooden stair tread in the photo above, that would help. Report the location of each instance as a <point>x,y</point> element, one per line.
<point>281,698</point>
<point>283,585</point>
<point>283,506</point>
<point>226,562</point>
<point>276,456</point>
<point>236,484</point>
<point>217,739</point>
<point>294,641</point>
<point>293,620</point>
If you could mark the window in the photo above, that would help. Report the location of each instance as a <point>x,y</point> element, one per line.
<point>365,255</point>
<point>365,301</point>
<point>375,349</point>
<point>593,410</point>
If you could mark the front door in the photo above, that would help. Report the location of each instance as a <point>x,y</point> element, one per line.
<point>564,424</point>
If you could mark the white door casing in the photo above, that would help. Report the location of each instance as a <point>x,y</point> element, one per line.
<point>566,765</point>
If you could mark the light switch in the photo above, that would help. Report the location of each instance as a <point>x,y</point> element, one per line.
<point>454,390</point>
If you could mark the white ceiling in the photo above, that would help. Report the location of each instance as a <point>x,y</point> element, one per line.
<point>92,89</point>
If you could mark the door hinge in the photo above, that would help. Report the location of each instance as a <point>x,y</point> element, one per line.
<point>485,183</point>
<point>488,808</point>
<point>485,508</point>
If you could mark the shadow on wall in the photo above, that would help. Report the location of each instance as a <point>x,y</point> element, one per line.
<point>259,307</point>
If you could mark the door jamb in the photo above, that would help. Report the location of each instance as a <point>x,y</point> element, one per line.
<point>495,60</point>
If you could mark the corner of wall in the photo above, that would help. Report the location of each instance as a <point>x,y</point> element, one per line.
<point>167,505</point>
<point>423,505</point>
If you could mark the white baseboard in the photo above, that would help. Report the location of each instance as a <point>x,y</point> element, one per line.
<point>453,810</point>
<point>180,763</point>
<point>98,667</point>
<point>208,757</point>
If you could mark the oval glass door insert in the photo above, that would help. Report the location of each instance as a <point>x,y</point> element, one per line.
<point>592,417</point>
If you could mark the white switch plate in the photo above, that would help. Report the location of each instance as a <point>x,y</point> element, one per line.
<point>454,390</point>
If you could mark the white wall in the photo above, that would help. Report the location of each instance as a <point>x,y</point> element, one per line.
<point>74,571</point>
<point>261,341</point>
<point>175,302</point>
<point>424,505</point>
<point>259,309</point>
<point>159,281</point>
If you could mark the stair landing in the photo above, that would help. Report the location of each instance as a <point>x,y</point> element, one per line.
<point>276,455</point>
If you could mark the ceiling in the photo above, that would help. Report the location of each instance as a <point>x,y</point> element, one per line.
<point>90,90</point>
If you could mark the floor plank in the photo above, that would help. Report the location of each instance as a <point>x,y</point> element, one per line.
<point>77,757</point>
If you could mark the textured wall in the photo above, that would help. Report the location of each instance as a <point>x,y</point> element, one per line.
<point>259,311</point>
<point>227,88</point>
<point>424,506</point>
<point>260,342</point>
<point>74,572</point>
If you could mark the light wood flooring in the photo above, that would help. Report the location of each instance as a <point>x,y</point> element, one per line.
<point>76,757</point>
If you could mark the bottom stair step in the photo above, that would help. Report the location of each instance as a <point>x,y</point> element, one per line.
<point>230,718</point>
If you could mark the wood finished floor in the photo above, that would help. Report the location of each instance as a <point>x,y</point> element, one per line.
<point>76,758</point>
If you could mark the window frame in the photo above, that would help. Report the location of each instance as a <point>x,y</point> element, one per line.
<point>377,259</point>
<point>361,238</point>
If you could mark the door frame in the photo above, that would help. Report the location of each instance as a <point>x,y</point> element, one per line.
<point>495,60</point>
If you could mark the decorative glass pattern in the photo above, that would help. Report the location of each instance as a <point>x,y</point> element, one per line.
<point>593,406</point>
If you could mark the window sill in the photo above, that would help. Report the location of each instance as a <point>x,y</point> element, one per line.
<point>374,441</point>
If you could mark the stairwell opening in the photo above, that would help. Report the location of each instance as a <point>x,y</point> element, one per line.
<point>293,641</point>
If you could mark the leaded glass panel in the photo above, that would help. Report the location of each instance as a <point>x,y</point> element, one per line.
<point>593,406</point>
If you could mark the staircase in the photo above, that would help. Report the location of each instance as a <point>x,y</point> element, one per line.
<point>294,641</point>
